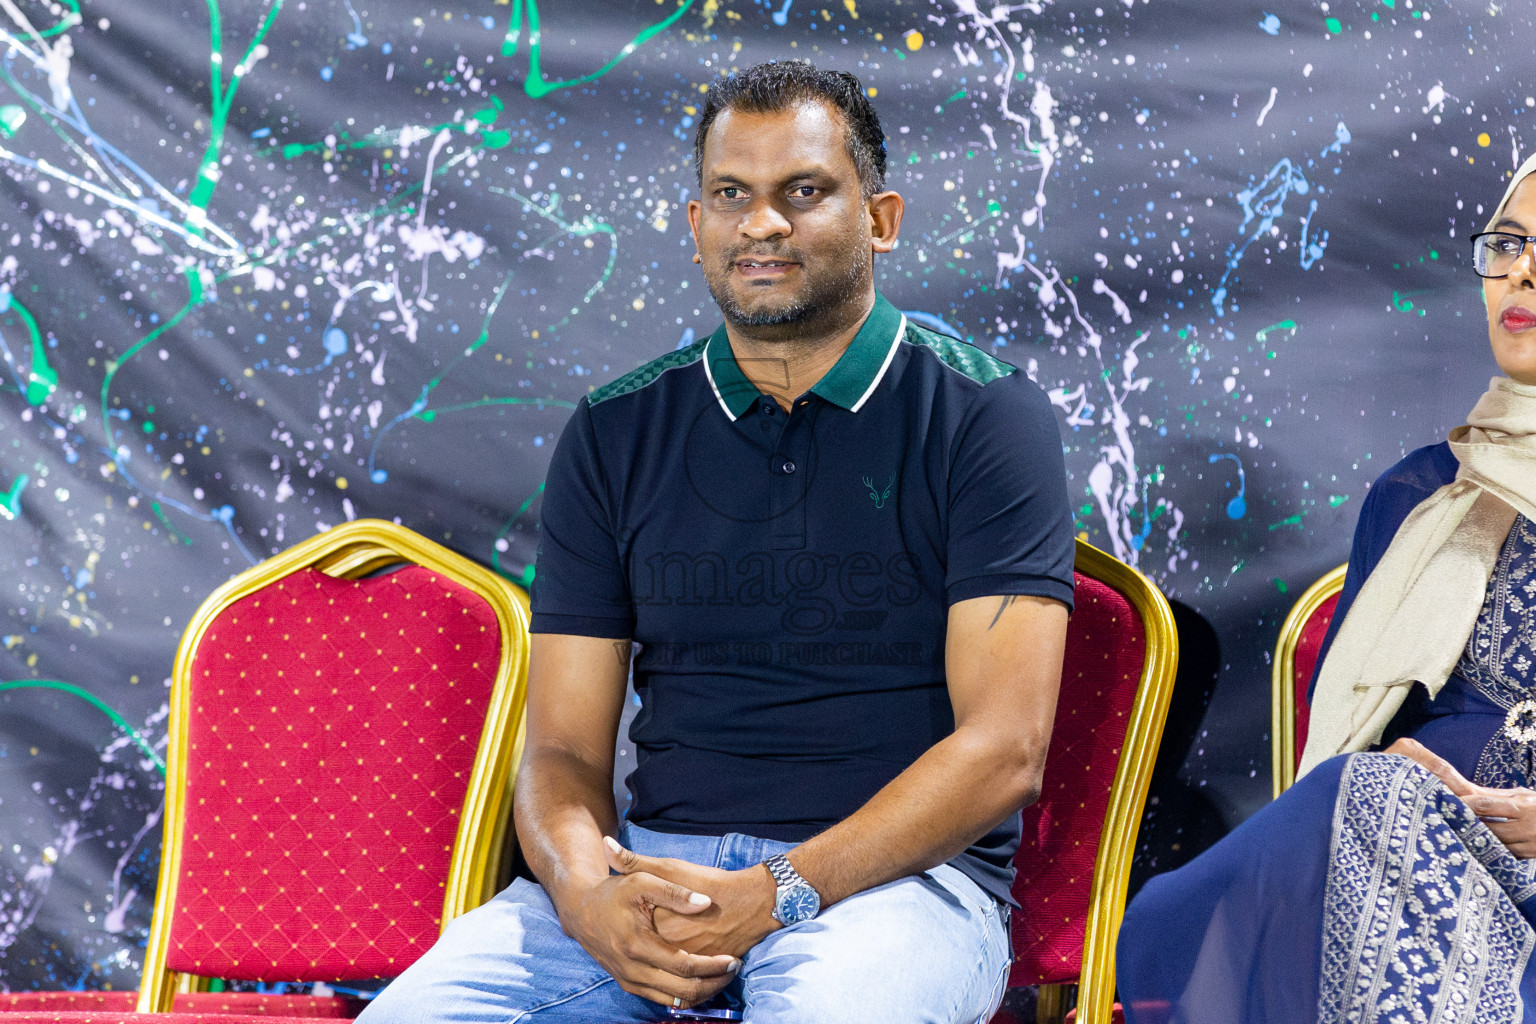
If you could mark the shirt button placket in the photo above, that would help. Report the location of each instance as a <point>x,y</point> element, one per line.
<point>788,467</point>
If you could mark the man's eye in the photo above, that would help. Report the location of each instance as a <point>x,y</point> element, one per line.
<point>730,193</point>
<point>804,191</point>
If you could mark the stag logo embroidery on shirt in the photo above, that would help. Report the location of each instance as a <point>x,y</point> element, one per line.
<point>878,497</point>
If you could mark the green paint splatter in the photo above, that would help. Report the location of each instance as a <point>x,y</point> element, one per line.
<point>169,529</point>
<point>1284,325</point>
<point>223,94</point>
<point>66,23</point>
<point>1332,24</point>
<point>1294,520</point>
<point>223,99</point>
<point>1335,500</point>
<point>536,85</point>
<point>1280,585</point>
<point>12,118</point>
<point>526,576</point>
<point>585,227</point>
<point>10,507</point>
<point>43,378</point>
<point>1400,301</point>
<point>99,705</point>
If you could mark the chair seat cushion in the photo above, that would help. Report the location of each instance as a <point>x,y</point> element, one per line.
<point>116,1017</point>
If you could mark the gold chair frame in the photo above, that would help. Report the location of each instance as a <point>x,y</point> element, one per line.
<point>1128,793</point>
<point>1282,704</point>
<point>482,850</point>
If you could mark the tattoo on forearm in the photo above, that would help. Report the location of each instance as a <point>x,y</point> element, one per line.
<point>622,649</point>
<point>1002,606</point>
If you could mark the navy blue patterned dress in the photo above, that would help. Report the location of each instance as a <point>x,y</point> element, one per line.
<point>1368,893</point>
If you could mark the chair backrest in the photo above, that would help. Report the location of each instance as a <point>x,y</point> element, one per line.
<point>340,766</point>
<point>1075,858</point>
<point>1301,641</point>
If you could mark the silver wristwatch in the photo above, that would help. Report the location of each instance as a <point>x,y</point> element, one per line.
<point>796,899</point>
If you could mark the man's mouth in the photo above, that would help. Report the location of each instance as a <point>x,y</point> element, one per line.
<point>763,266</point>
<point>1517,318</point>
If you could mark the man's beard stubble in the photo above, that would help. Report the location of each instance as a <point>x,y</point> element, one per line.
<point>821,297</point>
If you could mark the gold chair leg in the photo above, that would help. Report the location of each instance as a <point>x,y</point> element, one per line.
<point>1052,1004</point>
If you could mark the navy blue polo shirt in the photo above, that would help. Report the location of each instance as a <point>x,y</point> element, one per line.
<point>788,576</point>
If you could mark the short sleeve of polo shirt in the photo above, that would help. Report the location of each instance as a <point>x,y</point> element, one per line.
<point>1010,524</point>
<point>579,586</point>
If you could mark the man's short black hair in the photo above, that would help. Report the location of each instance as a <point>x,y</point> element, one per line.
<point>779,85</point>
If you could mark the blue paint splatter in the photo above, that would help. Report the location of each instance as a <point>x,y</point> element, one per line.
<point>1238,506</point>
<point>1270,24</point>
<point>1341,138</point>
<point>355,38</point>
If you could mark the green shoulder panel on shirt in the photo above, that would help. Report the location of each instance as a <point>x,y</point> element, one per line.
<point>960,356</point>
<point>638,378</point>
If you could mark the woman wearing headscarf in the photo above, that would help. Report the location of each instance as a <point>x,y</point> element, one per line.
<point>1394,881</point>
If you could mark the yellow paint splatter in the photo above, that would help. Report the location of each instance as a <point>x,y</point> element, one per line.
<point>871,91</point>
<point>852,8</point>
<point>711,11</point>
<point>914,40</point>
<point>341,483</point>
<point>1484,140</point>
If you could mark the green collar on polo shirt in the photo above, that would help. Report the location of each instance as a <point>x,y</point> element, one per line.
<point>850,382</point>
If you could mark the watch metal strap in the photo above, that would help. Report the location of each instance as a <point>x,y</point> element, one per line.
<point>783,872</point>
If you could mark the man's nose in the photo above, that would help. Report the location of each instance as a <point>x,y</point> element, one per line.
<point>762,220</point>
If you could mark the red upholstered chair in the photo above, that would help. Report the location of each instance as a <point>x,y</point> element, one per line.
<point>339,775</point>
<point>1075,859</point>
<point>1301,640</point>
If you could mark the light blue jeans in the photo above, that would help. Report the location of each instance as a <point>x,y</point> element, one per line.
<point>926,949</point>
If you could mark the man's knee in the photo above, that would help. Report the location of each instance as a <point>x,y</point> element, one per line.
<point>499,958</point>
<point>915,950</point>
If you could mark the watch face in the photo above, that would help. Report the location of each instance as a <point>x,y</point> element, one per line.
<point>797,903</point>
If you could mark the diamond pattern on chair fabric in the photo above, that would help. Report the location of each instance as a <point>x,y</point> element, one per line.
<point>259,1004</point>
<point>333,727</point>
<point>1308,647</point>
<point>15,1002</point>
<point>123,1017</point>
<point>1106,651</point>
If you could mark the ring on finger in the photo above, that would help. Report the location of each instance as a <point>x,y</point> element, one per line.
<point>677,1002</point>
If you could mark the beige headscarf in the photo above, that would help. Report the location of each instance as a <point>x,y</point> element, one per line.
<point>1412,617</point>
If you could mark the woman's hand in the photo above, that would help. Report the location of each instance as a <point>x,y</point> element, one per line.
<point>1509,813</point>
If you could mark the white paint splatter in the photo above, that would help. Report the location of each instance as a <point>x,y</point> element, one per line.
<point>1273,92</point>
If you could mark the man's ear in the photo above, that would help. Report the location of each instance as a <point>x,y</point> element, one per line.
<point>694,209</point>
<point>885,210</point>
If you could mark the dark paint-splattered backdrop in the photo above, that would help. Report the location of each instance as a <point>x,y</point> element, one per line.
<point>267,266</point>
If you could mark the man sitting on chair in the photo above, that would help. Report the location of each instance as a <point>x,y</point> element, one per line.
<point>841,547</point>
